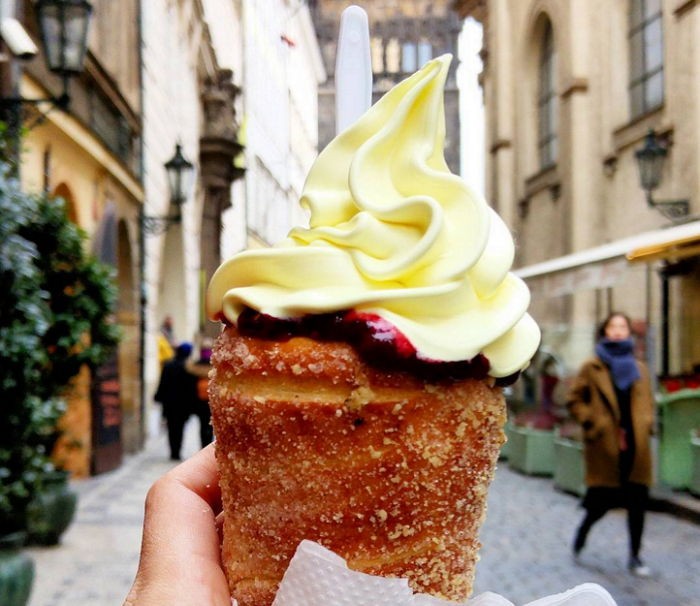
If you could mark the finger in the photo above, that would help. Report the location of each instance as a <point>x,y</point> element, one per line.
<point>200,475</point>
<point>180,553</point>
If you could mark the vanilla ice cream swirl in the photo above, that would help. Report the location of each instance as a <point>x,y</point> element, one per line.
<point>394,233</point>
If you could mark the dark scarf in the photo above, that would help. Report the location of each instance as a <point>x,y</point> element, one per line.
<point>619,358</point>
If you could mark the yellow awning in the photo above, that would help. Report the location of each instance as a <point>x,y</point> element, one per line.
<point>677,249</point>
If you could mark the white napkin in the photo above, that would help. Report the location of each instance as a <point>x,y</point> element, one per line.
<point>319,577</point>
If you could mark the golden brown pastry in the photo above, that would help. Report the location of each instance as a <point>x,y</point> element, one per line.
<point>386,470</point>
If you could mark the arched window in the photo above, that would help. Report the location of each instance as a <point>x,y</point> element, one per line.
<point>547,107</point>
<point>646,56</point>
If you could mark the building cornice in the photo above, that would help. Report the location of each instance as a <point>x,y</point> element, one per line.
<point>574,86</point>
<point>88,142</point>
<point>500,144</point>
<point>477,9</point>
<point>685,7</point>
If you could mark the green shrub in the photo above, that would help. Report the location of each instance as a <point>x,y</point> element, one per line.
<point>56,314</point>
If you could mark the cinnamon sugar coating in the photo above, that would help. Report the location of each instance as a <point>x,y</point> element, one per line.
<point>386,470</point>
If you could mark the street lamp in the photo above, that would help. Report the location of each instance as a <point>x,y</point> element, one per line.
<point>64,26</point>
<point>650,160</point>
<point>180,174</point>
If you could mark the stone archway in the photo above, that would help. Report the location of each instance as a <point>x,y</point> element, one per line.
<point>62,190</point>
<point>73,448</point>
<point>106,384</point>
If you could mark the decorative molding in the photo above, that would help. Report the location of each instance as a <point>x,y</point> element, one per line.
<point>73,128</point>
<point>633,132</point>
<point>499,144</point>
<point>610,164</point>
<point>575,85</point>
<point>108,86</point>
<point>219,143</point>
<point>476,9</point>
<point>684,8</point>
<point>547,178</point>
<point>523,207</point>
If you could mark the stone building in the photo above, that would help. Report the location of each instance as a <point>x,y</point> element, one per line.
<point>404,34</point>
<point>90,155</point>
<point>190,84</point>
<point>234,84</point>
<point>154,78</point>
<point>571,91</point>
<point>282,69</point>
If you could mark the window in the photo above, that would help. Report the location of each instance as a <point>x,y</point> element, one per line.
<point>547,102</point>
<point>408,57</point>
<point>646,56</point>
<point>377,54</point>
<point>425,52</point>
<point>392,56</point>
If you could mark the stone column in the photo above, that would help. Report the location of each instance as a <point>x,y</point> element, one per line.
<point>218,147</point>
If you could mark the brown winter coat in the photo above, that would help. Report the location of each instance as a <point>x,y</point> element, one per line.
<point>593,403</point>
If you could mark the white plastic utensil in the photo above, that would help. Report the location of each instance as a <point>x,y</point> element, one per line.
<point>353,68</point>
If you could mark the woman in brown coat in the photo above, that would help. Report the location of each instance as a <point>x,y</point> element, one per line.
<point>612,400</point>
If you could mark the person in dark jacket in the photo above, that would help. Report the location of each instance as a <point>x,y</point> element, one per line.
<point>200,369</point>
<point>612,400</point>
<point>177,392</point>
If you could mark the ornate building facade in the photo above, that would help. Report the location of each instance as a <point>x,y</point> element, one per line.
<point>90,155</point>
<point>404,34</point>
<point>571,92</point>
<point>155,77</point>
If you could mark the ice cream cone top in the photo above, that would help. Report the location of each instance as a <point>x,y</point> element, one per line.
<point>394,234</point>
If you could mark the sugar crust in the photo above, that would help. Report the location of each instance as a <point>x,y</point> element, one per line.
<point>388,471</point>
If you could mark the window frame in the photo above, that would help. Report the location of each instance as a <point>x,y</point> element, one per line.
<point>547,101</point>
<point>639,84</point>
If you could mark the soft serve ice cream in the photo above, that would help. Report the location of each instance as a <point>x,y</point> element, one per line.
<point>350,389</point>
<point>394,234</point>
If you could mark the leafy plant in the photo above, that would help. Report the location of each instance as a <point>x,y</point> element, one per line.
<point>56,314</point>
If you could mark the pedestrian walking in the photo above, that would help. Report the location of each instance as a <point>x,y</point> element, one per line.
<point>166,345</point>
<point>177,393</point>
<point>200,369</point>
<point>612,400</point>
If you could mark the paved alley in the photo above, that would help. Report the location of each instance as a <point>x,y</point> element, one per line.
<point>525,555</point>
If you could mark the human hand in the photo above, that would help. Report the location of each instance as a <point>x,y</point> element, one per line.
<point>181,548</point>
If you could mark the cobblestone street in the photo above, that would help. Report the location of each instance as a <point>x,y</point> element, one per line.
<point>526,543</point>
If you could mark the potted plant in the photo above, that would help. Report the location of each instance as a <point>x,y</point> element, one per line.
<point>569,465</point>
<point>57,317</point>
<point>695,451</point>
<point>531,432</point>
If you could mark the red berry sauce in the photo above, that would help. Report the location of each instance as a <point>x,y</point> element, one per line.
<point>379,343</point>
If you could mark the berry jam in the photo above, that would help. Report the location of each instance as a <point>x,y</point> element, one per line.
<point>376,340</point>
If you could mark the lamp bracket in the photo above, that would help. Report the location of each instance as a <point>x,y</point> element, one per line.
<point>671,209</point>
<point>156,226</point>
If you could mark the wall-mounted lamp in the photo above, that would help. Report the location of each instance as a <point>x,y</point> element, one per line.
<point>64,26</point>
<point>180,174</point>
<point>650,160</point>
<point>180,177</point>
